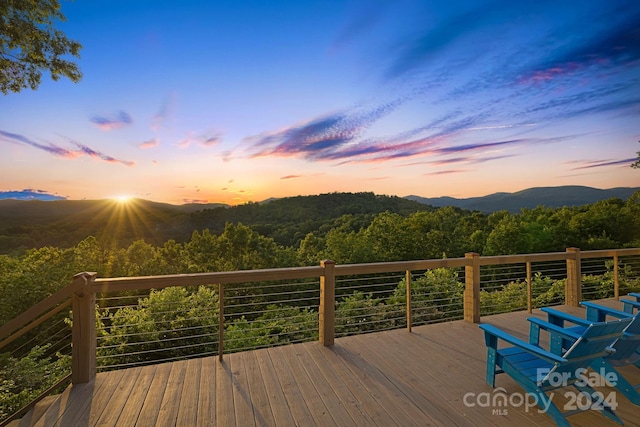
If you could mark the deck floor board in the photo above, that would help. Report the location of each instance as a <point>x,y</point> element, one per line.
<point>376,379</point>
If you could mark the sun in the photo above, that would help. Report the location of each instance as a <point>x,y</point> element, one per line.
<point>123,198</point>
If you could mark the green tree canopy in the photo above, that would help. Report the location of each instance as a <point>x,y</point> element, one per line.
<point>29,45</point>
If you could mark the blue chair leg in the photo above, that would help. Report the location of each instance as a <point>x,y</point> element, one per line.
<point>627,389</point>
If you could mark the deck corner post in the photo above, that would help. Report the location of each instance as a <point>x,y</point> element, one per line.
<point>573,287</point>
<point>472,288</point>
<point>327,303</point>
<point>83,329</point>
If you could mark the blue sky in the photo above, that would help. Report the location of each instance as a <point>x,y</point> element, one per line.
<point>236,101</point>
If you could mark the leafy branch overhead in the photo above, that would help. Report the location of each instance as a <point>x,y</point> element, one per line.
<point>31,45</point>
<point>636,164</point>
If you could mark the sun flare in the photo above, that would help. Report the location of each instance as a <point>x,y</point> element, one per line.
<point>123,198</point>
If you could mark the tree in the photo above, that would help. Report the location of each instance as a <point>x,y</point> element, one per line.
<point>29,45</point>
<point>636,164</point>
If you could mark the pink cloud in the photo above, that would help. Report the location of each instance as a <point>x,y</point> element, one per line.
<point>115,121</point>
<point>149,144</point>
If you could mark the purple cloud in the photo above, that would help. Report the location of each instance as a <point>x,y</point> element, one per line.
<point>208,139</point>
<point>115,121</point>
<point>447,172</point>
<point>49,148</point>
<point>98,155</point>
<point>320,138</point>
<point>59,151</point>
<point>149,144</point>
<point>603,163</point>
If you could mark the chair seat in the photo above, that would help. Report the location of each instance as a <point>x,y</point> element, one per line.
<point>524,362</point>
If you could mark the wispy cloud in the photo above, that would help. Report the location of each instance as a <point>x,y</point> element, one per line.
<point>98,155</point>
<point>59,151</point>
<point>590,164</point>
<point>111,122</point>
<point>165,111</point>
<point>149,144</point>
<point>604,47</point>
<point>48,147</point>
<point>210,139</point>
<point>447,172</point>
<point>320,138</point>
<point>338,138</point>
<point>207,139</point>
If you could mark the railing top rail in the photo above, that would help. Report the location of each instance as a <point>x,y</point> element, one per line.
<point>523,258</point>
<point>388,267</point>
<point>245,276</point>
<point>197,279</point>
<point>38,310</point>
<point>605,253</point>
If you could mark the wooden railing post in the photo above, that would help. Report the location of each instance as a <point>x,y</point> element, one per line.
<point>472,288</point>
<point>83,330</point>
<point>327,303</point>
<point>220,321</point>
<point>408,281</point>
<point>529,288</point>
<point>573,288</point>
<point>616,280</point>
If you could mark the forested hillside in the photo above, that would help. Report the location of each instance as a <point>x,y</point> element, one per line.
<point>26,224</point>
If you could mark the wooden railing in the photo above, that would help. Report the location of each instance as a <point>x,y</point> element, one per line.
<point>82,293</point>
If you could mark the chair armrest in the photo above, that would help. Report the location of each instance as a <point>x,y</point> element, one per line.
<point>598,313</point>
<point>529,348</point>
<point>558,317</point>
<point>635,295</point>
<point>550,327</point>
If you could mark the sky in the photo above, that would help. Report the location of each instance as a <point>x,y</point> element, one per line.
<point>233,101</point>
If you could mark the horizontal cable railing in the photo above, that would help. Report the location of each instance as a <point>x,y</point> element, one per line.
<point>268,314</point>
<point>35,363</point>
<point>365,303</point>
<point>115,323</point>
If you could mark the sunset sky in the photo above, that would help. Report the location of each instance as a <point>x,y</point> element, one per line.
<point>233,101</point>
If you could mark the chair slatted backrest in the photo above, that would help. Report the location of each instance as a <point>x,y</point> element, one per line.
<point>593,343</point>
<point>627,347</point>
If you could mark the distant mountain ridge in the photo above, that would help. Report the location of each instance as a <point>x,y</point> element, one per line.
<point>551,197</point>
<point>29,195</point>
<point>36,223</point>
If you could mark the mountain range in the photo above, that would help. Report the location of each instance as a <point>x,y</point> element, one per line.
<point>551,197</point>
<point>35,223</point>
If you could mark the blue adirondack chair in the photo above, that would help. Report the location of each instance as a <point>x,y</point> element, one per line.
<point>627,347</point>
<point>536,370</point>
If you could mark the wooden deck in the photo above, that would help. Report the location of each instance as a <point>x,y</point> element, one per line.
<point>379,379</point>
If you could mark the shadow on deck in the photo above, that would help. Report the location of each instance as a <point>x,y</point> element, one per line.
<point>383,378</point>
